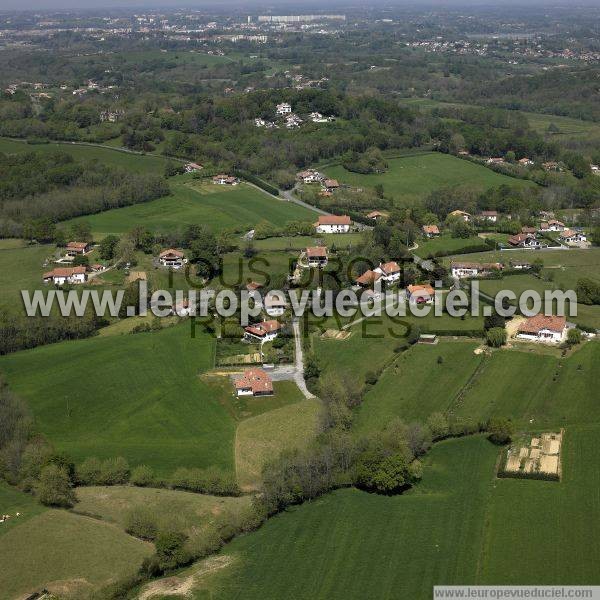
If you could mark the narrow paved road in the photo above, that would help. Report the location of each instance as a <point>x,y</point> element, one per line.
<point>289,195</point>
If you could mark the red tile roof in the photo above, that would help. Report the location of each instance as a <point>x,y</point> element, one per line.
<point>334,220</point>
<point>390,267</point>
<point>331,183</point>
<point>533,325</point>
<point>432,229</point>
<point>316,252</point>
<point>421,290</point>
<point>77,245</point>
<point>261,329</point>
<point>64,272</point>
<point>256,380</point>
<point>171,252</point>
<point>368,278</point>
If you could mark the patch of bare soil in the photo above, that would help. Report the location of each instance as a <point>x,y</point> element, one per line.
<point>183,585</point>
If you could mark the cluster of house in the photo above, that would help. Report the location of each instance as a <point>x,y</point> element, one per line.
<point>291,120</point>
<point>222,179</point>
<point>328,186</point>
<point>72,275</point>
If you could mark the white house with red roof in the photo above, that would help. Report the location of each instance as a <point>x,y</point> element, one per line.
<point>174,259</point>
<point>262,332</point>
<point>333,224</point>
<point>461,270</point>
<point>315,257</point>
<point>75,248</point>
<point>254,382</point>
<point>310,176</point>
<point>431,231</point>
<point>543,328</point>
<point>63,275</point>
<point>390,271</point>
<point>572,237</point>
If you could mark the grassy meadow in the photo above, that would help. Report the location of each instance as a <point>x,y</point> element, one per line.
<point>130,161</point>
<point>220,208</point>
<point>415,177</point>
<point>139,396</point>
<point>446,243</point>
<point>423,380</point>
<point>66,553</point>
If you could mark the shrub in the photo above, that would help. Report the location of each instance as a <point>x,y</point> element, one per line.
<point>142,476</point>
<point>170,548</point>
<point>573,336</point>
<point>438,424</point>
<point>115,471</point>
<point>496,337</point>
<point>54,487</point>
<point>500,430</point>
<point>141,522</point>
<point>89,472</point>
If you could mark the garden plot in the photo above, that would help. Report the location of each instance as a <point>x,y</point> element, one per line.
<point>537,457</point>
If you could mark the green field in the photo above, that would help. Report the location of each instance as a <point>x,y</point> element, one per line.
<point>536,390</point>
<point>149,164</point>
<point>446,243</point>
<point>353,545</point>
<point>413,178</point>
<point>459,526</point>
<point>417,384</point>
<point>300,242</point>
<point>138,396</point>
<point>67,553</point>
<point>236,209</point>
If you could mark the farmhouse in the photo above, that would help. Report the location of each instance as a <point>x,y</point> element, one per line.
<point>489,215</point>
<point>62,275</point>
<point>262,332</point>
<point>467,269</point>
<point>333,224</point>
<point>283,109</point>
<point>390,271</point>
<point>542,328</point>
<point>420,294</point>
<point>309,176</point>
<point>292,121</point>
<point>75,248</point>
<point>572,237</point>
<point>331,185</point>
<point>274,304</point>
<point>254,382</point>
<point>495,161</point>
<point>524,240</point>
<point>192,167</point>
<point>465,216</point>
<point>431,231</point>
<point>316,257</point>
<point>554,225</point>
<point>225,180</point>
<point>172,258</point>
<point>530,230</point>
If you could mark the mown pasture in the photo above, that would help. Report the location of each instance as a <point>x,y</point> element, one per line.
<point>138,396</point>
<point>238,208</point>
<point>413,178</point>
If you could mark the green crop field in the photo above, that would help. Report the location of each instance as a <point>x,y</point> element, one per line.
<point>414,177</point>
<point>90,399</point>
<point>536,390</point>
<point>354,545</point>
<point>418,384</point>
<point>67,553</point>
<point>21,269</point>
<point>541,532</point>
<point>130,161</point>
<point>239,209</point>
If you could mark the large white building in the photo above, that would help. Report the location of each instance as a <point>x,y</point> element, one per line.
<point>542,328</point>
<point>333,224</point>
<point>63,275</point>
